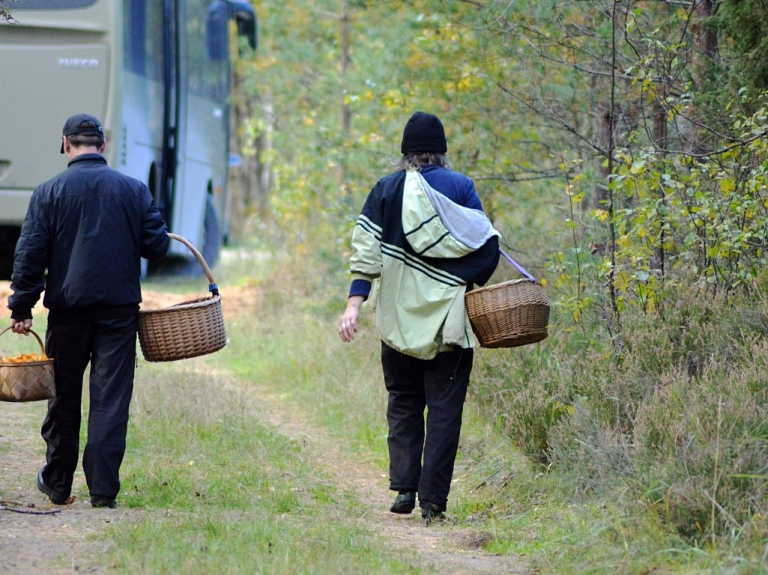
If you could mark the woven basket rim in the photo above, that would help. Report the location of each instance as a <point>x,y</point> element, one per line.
<point>26,363</point>
<point>190,304</point>
<point>504,284</point>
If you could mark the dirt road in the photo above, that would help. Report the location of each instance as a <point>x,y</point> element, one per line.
<point>38,537</point>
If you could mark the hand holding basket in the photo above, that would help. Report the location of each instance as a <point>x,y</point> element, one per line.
<point>27,380</point>
<point>187,329</point>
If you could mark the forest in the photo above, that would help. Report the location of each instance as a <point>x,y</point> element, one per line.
<point>619,146</point>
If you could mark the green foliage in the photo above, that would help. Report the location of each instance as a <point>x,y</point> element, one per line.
<point>682,220</point>
<point>742,25</point>
<point>403,57</point>
<point>676,422</point>
<point>658,202</point>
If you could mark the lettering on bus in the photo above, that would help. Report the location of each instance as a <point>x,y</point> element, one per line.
<point>78,63</point>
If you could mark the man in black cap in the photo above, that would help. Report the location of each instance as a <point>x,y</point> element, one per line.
<point>423,235</point>
<point>88,227</point>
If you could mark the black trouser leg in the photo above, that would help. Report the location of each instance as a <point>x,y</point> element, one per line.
<point>405,416</point>
<point>68,346</point>
<point>111,388</point>
<point>440,384</point>
<point>445,381</point>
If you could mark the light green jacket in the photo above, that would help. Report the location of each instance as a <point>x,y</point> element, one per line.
<point>420,307</point>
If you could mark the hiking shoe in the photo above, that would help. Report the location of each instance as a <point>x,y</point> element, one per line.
<point>404,503</point>
<point>99,503</point>
<point>431,512</point>
<point>55,497</point>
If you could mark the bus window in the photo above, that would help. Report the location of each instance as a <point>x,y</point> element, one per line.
<point>206,77</point>
<point>143,38</point>
<point>51,4</point>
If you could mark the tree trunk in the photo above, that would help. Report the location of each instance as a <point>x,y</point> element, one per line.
<point>660,142</point>
<point>346,113</point>
<point>250,183</point>
<point>704,52</point>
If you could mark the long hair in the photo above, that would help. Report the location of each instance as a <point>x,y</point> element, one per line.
<point>415,160</point>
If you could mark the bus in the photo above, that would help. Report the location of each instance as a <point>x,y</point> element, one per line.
<point>157,74</point>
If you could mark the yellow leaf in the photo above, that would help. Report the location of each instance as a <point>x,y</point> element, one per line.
<point>601,215</point>
<point>727,185</point>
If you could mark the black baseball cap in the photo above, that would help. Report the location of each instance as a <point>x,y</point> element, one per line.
<point>81,124</point>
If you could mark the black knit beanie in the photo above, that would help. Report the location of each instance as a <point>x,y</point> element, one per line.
<point>424,133</point>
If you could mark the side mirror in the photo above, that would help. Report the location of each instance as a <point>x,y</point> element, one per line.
<point>245,18</point>
<point>216,33</point>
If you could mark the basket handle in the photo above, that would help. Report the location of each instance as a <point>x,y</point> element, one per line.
<point>212,287</point>
<point>517,265</point>
<point>37,337</point>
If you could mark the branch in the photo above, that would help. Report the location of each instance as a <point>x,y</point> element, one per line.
<point>738,144</point>
<point>4,504</point>
<point>551,117</point>
<point>552,174</point>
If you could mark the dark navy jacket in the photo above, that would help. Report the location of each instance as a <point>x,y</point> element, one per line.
<point>89,227</point>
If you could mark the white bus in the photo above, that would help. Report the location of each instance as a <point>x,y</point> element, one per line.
<point>156,72</point>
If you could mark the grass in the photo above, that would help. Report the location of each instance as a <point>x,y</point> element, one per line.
<point>221,491</point>
<point>587,512</point>
<point>224,493</point>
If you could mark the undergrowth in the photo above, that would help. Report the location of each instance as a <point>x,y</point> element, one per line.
<point>670,421</point>
<point>648,450</point>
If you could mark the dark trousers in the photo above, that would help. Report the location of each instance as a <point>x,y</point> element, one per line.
<point>109,345</point>
<point>422,459</point>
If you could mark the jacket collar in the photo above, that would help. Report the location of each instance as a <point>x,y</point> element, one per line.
<point>87,158</point>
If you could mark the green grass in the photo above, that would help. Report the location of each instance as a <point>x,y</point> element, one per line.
<point>216,489</point>
<point>224,493</point>
<point>585,518</point>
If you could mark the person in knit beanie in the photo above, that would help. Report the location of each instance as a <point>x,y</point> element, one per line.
<point>426,342</point>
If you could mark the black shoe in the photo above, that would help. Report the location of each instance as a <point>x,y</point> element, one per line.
<point>56,497</point>
<point>103,503</point>
<point>431,512</point>
<point>404,503</point>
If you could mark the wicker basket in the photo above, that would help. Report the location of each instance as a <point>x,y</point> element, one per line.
<point>187,329</point>
<point>28,381</point>
<point>509,314</point>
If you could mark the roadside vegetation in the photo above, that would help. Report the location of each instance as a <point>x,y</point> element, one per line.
<point>620,148</point>
<point>540,475</point>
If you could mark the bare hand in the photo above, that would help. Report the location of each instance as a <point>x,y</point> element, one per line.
<point>21,326</point>
<point>348,322</point>
<point>347,328</point>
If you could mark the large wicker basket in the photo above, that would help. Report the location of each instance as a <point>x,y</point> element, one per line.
<point>27,381</point>
<point>187,329</point>
<point>508,314</point>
